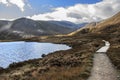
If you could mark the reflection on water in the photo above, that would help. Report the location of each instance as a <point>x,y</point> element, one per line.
<point>20,51</point>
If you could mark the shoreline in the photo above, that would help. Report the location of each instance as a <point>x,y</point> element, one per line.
<point>76,49</point>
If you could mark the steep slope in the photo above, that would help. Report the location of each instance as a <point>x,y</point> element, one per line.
<point>115,20</point>
<point>25,28</point>
<point>110,25</point>
<point>84,29</point>
<point>108,29</point>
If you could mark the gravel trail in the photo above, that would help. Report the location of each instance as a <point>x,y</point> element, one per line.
<point>103,69</point>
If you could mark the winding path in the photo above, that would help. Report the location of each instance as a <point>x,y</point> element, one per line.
<point>103,68</point>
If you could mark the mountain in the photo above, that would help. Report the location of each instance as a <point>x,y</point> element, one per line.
<point>108,29</point>
<point>69,24</point>
<point>3,22</point>
<point>24,28</point>
<point>29,26</point>
<point>84,29</point>
<point>73,64</point>
<point>110,25</point>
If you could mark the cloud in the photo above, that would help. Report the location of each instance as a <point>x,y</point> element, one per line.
<point>19,3</point>
<point>4,1</point>
<point>82,12</point>
<point>58,14</point>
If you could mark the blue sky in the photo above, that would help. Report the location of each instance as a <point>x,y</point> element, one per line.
<point>58,3</point>
<point>45,5</point>
<point>77,11</point>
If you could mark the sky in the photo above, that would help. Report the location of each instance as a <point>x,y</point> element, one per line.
<point>76,11</point>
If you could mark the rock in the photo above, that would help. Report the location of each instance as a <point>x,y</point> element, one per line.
<point>43,55</point>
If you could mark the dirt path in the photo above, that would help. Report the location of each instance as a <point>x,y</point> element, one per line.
<point>103,68</point>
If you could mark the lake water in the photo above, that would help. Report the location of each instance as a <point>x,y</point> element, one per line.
<point>20,51</point>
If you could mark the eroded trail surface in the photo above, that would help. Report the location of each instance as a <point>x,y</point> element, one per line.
<point>102,67</point>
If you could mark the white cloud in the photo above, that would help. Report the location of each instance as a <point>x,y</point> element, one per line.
<point>58,14</point>
<point>4,1</point>
<point>82,12</point>
<point>19,3</point>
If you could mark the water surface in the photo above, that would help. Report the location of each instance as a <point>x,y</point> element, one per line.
<point>20,51</point>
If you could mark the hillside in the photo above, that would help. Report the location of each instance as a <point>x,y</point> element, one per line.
<point>73,64</point>
<point>26,28</point>
<point>69,24</point>
<point>109,30</point>
<point>111,25</point>
<point>3,22</point>
<point>84,29</point>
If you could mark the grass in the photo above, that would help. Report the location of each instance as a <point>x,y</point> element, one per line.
<point>73,64</point>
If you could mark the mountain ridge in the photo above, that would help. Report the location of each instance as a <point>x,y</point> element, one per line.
<point>24,27</point>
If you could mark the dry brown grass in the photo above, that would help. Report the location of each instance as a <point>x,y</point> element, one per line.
<point>62,74</point>
<point>74,64</point>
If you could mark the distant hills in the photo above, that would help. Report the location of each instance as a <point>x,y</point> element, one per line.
<point>25,28</point>
<point>69,24</point>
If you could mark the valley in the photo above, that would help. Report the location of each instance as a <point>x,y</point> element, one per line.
<point>73,64</point>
